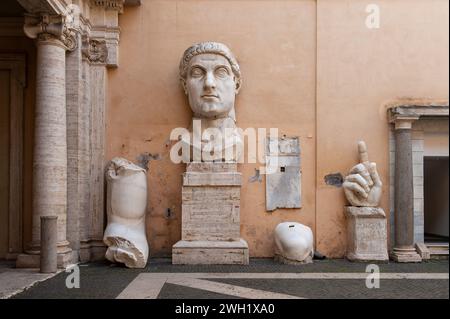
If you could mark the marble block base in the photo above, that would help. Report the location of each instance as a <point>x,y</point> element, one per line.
<point>210,227</point>
<point>366,234</point>
<point>33,260</point>
<point>210,253</point>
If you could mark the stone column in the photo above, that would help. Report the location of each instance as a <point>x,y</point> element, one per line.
<point>95,55</point>
<point>50,138</point>
<point>77,182</point>
<point>86,207</point>
<point>404,250</point>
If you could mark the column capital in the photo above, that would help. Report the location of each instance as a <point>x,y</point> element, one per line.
<point>56,29</point>
<point>404,122</point>
<point>402,117</point>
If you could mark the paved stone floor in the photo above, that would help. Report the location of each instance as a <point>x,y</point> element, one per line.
<point>13,281</point>
<point>263,278</point>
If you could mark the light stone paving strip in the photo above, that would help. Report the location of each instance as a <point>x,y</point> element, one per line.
<point>231,290</point>
<point>143,288</point>
<point>148,285</point>
<point>13,282</point>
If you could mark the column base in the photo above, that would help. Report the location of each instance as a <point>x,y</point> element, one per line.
<point>210,253</point>
<point>405,255</point>
<point>33,260</point>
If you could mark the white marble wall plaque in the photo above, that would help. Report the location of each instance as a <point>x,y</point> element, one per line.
<point>283,174</point>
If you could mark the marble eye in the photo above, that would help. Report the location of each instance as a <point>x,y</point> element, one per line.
<point>196,72</point>
<point>222,72</point>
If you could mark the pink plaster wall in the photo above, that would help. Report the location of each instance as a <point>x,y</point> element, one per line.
<point>310,68</point>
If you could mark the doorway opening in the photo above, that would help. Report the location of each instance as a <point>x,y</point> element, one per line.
<point>4,161</point>
<point>436,204</point>
<point>12,84</point>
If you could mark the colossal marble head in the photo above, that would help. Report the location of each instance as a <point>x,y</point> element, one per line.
<point>211,79</point>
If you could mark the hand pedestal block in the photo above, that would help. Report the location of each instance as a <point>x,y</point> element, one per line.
<point>367,234</point>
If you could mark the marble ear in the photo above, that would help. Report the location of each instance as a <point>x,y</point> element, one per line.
<point>238,85</point>
<point>183,84</point>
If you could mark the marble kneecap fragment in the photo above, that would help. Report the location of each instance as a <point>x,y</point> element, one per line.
<point>294,243</point>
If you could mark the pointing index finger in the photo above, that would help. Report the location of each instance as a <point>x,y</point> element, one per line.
<point>363,155</point>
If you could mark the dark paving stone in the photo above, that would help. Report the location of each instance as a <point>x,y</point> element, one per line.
<point>97,281</point>
<point>264,265</point>
<point>348,288</point>
<point>105,280</point>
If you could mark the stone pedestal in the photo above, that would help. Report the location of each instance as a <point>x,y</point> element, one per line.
<point>49,261</point>
<point>210,216</point>
<point>367,234</point>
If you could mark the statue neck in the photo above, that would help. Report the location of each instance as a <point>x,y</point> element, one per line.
<point>230,115</point>
<point>220,123</point>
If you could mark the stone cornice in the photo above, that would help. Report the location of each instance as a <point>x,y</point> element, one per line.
<point>411,102</point>
<point>55,20</point>
<point>109,4</point>
<point>429,109</point>
<point>45,6</point>
<point>404,112</point>
<point>60,6</point>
